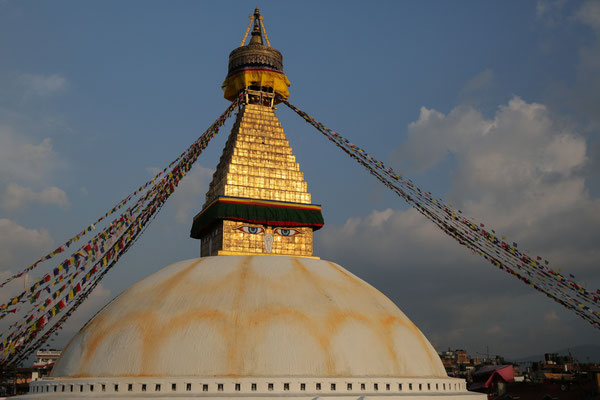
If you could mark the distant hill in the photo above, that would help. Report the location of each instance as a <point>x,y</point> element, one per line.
<point>583,354</point>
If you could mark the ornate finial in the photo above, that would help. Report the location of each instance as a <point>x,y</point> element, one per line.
<point>256,32</point>
<point>256,66</point>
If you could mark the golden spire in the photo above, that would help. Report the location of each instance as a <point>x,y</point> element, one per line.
<point>257,202</point>
<point>256,32</point>
<point>259,28</point>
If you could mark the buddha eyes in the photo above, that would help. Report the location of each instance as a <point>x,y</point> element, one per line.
<point>255,230</point>
<point>286,231</point>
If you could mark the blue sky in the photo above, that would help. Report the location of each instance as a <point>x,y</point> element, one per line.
<point>491,105</point>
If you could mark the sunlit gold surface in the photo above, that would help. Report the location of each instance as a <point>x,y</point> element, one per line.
<point>227,239</point>
<point>257,163</point>
<point>234,240</point>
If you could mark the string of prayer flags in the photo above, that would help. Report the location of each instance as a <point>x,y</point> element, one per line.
<point>111,211</point>
<point>475,237</point>
<point>48,303</point>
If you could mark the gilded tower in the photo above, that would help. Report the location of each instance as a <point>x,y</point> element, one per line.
<point>257,202</point>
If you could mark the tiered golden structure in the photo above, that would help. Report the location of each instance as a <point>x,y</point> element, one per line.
<point>257,202</point>
<point>257,161</point>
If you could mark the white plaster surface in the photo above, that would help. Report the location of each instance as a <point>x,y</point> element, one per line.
<point>259,327</point>
<point>250,316</point>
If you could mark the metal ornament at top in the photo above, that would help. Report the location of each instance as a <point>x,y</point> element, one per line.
<point>255,53</point>
<point>256,68</point>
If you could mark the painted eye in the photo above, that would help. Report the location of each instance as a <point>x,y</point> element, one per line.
<point>287,232</point>
<point>254,230</point>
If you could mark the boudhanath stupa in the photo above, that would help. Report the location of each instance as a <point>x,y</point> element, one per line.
<point>257,315</point>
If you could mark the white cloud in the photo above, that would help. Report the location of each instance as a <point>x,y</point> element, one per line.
<point>16,197</point>
<point>26,167</point>
<point>189,197</point>
<point>475,90</point>
<point>515,168</point>
<point>19,246</point>
<point>24,160</point>
<point>42,85</point>
<point>550,11</point>
<point>589,14</point>
<point>426,142</point>
<point>519,172</point>
<point>386,235</point>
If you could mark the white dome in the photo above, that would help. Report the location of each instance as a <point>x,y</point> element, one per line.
<point>250,316</point>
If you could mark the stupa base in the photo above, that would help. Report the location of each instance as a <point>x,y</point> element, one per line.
<point>256,388</point>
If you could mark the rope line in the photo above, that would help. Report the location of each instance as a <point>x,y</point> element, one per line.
<point>48,303</point>
<point>497,250</point>
<point>45,308</point>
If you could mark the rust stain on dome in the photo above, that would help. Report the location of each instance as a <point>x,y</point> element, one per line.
<point>262,318</point>
<point>163,289</point>
<point>259,310</point>
<point>238,329</point>
<point>156,335</point>
<point>101,333</point>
